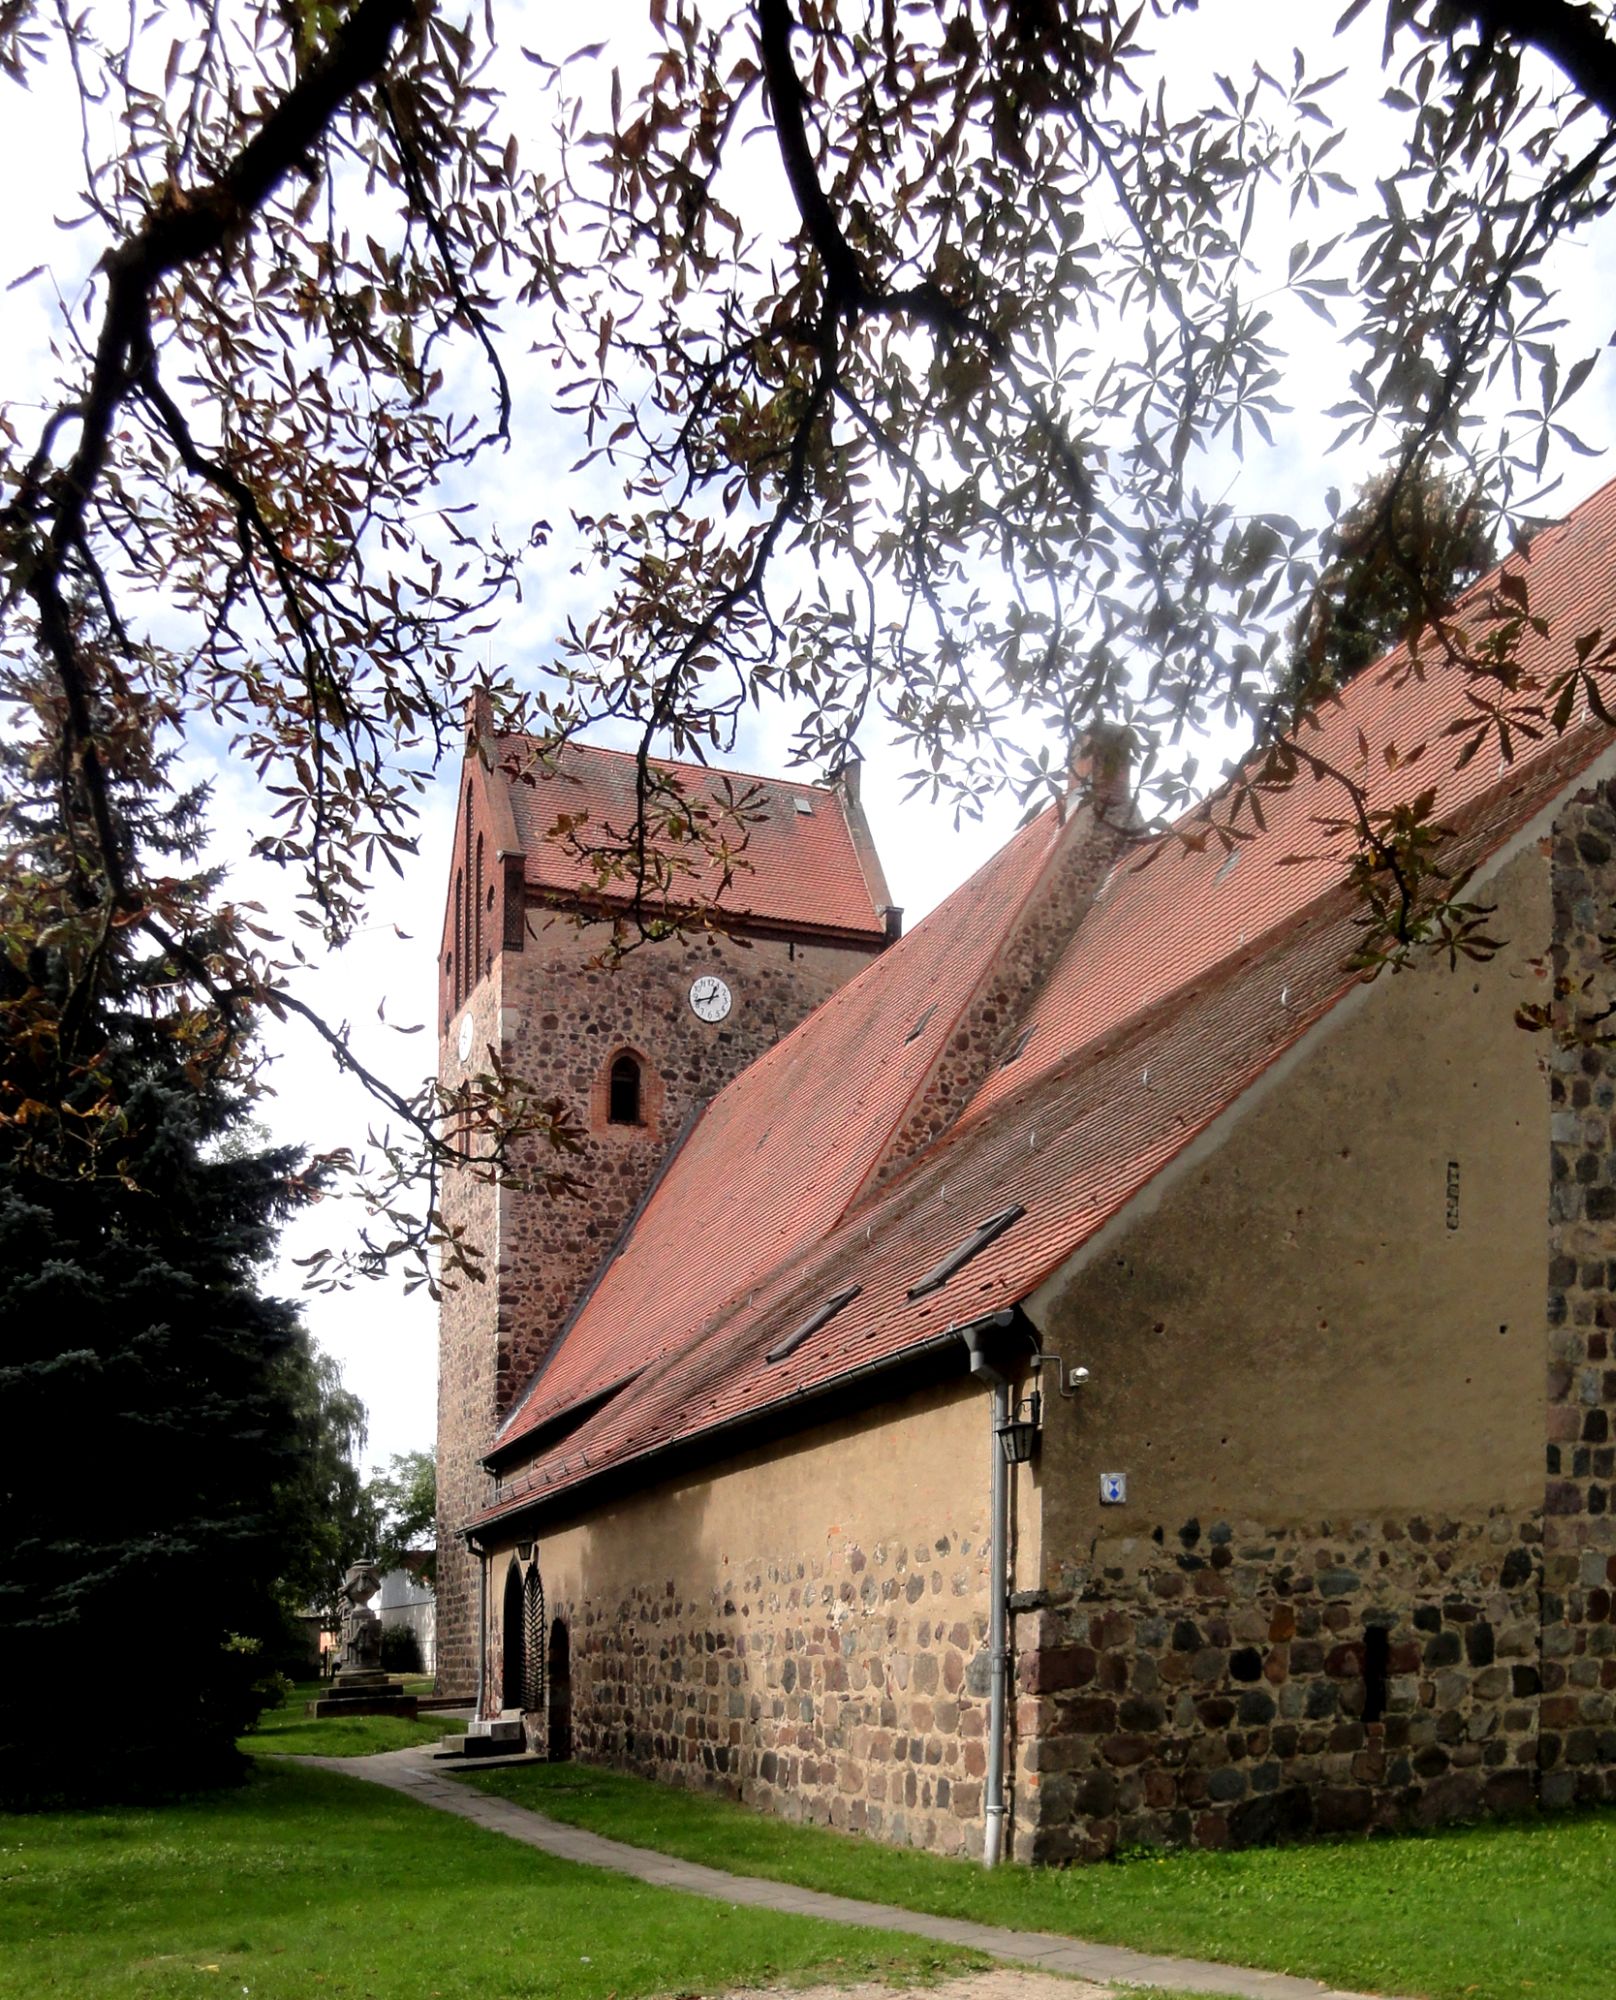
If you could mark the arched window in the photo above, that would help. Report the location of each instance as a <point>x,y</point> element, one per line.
<point>477,966</point>
<point>458,957</point>
<point>623,1099</point>
<point>513,1674</point>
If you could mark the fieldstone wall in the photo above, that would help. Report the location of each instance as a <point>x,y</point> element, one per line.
<point>847,1689</point>
<point>1578,1746</point>
<point>466,1371</point>
<point>1217,1685</point>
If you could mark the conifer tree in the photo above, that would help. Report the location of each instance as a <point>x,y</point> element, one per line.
<point>148,1390</point>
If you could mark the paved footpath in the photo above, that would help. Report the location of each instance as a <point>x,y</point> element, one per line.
<point>414,1773</point>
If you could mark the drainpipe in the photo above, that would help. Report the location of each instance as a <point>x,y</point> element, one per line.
<point>999,1589</point>
<point>481,1554</point>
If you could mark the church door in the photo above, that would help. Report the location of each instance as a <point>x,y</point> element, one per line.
<point>559,1730</point>
<point>514,1666</point>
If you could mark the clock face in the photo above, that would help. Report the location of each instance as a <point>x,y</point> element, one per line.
<point>465,1036</point>
<point>710,998</point>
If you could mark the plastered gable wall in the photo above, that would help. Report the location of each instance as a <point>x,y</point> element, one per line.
<point>559,1014</point>
<point>1320,1363</point>
<point>803,1628</point>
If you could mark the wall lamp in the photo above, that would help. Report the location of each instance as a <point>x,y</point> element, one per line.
<point>1018,1435</point>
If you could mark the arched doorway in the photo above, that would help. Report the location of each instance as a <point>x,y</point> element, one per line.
<point>558,1729</point>
<point>513,1669</point>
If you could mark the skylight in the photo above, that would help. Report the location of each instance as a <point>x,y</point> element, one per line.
<point>805,807</point>
<point>1018,1045</point>
<point>962,1253</point>
<point>919,1026</point>
<point>826,1313</point>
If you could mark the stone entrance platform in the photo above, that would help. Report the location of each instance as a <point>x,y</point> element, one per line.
<point>362,1692</point>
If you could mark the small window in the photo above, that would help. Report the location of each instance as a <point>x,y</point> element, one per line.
<point>1018,1047</point>
<point>1377,1654</point>
<point>623,1103</point>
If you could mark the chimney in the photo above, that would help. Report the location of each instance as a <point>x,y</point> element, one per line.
<point>480,723</point>
<point>1100,773</point>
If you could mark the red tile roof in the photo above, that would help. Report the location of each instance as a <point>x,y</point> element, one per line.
<point>1188,976</point>
<point>800,857</point>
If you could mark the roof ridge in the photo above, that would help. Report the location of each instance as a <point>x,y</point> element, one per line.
<point>827,791</point>
<point>871,1177</point>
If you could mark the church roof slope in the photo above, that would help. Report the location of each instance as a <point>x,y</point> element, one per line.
<point>1187,977</point>
<point>1173,910</point>
<point>778,1155</point>
<point>797,856</point>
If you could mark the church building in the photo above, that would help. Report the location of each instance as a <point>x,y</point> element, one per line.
<point>1096,1369</point>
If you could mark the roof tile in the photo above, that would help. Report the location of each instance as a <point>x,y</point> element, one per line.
<point>795,855</point>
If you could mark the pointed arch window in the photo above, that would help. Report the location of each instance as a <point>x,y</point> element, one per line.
<point>478,968</point>
<point>513,1673</point>
<point>458,956</point>
<point>624,1104</point>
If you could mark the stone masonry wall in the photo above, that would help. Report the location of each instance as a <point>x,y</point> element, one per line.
<point>1578,1744</point>
<point>1207,1685</point>
<point>846,1689</point>
<point>466,1357</point>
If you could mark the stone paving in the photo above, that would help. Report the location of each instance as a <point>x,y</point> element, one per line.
<point>413,1773</point>
<point>1003,1982</point>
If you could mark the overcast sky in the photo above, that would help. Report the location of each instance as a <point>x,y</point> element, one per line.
<point>385,1342</point>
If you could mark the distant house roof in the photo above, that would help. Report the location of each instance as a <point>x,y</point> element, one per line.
<point>1186,977</point>
<point>798,856</point>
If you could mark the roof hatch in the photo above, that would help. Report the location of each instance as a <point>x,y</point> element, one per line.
<point>957,1258</point>
<point>826,1313</point>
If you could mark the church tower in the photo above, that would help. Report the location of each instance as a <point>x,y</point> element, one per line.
<point>632,1048</point>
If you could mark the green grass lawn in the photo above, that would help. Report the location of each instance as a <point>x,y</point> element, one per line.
<point>305,1885</point>
<point>1505,1912</point>
<point>288,1732</point>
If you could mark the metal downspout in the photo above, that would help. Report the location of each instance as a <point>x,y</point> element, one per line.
<point>998,1632</point>
<point>482,1628</point>
<point>996,1807</point>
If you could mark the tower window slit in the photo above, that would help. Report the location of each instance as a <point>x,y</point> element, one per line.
<point>623,1102</point>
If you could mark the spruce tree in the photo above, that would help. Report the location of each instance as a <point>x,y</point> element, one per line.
<point>149,1391</point>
